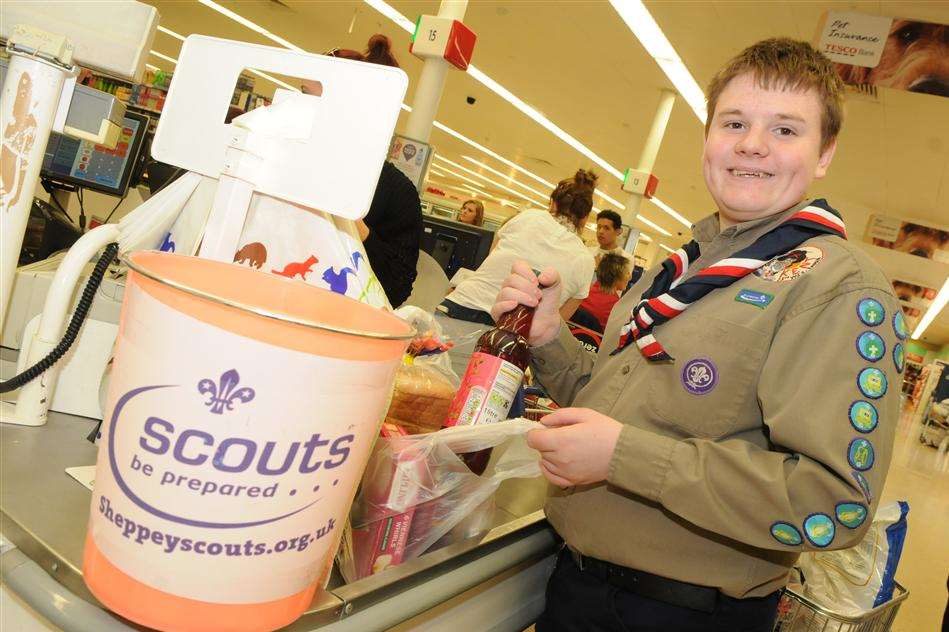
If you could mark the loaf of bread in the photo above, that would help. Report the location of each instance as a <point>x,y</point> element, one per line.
<point>420,399</point>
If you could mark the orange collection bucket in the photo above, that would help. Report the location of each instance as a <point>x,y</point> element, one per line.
<point>241,413</point>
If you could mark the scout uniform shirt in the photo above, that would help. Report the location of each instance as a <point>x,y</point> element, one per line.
<point>769,435</point>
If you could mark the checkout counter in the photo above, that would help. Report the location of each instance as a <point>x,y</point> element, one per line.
<point>492,582</point>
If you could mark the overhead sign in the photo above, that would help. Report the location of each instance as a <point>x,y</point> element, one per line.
<point>852,38</point>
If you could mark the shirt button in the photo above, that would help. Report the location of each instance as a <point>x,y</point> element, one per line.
<point>625,369</point>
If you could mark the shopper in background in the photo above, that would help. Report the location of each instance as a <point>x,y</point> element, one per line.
<point>392,229</point>
<point>472,212</point>
<point>743,409</point>
<point>612,275</point>
<point>542,238</point>
<point>609,229</point>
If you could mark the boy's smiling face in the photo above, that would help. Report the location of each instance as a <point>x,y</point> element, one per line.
<point>763,149</point>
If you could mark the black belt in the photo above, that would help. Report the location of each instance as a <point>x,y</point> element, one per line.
<point>671,591</point>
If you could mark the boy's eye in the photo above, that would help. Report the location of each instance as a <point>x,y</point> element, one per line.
<point>786,131</point>
<point>733,125</point>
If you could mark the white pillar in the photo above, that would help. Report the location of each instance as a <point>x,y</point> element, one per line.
<point>31,93</point>
<point>647,158</point>
<point>428,92</point>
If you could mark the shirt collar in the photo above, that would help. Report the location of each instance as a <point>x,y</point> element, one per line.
<point>708,228</point>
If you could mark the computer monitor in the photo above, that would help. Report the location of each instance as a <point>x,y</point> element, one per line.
<point>455,245</point>
<point>91,166</point>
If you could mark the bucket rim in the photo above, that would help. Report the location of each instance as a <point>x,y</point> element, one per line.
<point>259,311</point>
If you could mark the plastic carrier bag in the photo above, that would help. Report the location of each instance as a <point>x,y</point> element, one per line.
<point>855,580</point>
<point>416,490</point>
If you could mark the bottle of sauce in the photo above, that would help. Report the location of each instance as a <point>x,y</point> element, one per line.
<point>493,377</point>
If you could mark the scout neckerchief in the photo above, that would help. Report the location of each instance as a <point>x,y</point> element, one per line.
<point>669,295</point>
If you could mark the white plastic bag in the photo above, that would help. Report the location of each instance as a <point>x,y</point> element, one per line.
<point>416,490</point>
<point>855,580</point>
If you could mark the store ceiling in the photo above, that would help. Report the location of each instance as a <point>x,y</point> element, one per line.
<point>578,64</point>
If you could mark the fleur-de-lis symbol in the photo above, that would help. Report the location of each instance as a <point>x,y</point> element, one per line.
<point>225,393</point>
<point>699,375</point>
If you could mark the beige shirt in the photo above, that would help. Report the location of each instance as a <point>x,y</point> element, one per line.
<point>768,436</point>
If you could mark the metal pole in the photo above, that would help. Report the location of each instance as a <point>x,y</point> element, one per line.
<point>31,94</point>
<point>428,92</point>
<point>647,161</point>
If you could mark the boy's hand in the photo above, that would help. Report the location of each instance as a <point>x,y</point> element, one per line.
<point>576,446</point>
<point>521,287</point>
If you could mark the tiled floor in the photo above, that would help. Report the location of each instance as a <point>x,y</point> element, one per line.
<point>919,476</point>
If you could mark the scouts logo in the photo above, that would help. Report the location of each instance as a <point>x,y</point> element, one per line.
<point>699,376</point>
<point>851,515</point>
<point>899,325</point>
<point>863,416</point>
<point>860,454</point>
<point>791,264</point>
<point>899,356</point>
<point>224,394</point>
<point>786,533</point>
<point>819,529</point>
<point>870,346</point>
<point>870,312</point>
<point>872,382</point>
<point>758,299</point>
<point>864,485</point>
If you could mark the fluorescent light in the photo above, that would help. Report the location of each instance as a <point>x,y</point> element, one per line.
<point>165,57</point>
<point>654,226</point>
<point>177,36</point>
<point>647,31</point>
<point>150,67</point>
<point>671,212</point>
<point>273,79</point>
<point>386,10</point>
<point>251,25</point>
<point>645,237</point>
<point>664,247</point>
<point>491,153</point>
<point>486,179</point>
<point>938,303</point>
<point>436,172</point>
<point>406,108</point>
<point>506,177</point>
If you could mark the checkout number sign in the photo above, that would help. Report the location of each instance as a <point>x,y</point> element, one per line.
<point>225,460</point>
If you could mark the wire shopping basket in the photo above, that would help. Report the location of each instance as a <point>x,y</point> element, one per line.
<point>797,613</point>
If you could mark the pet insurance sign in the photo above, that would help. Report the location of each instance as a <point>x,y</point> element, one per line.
<point>851,38</point>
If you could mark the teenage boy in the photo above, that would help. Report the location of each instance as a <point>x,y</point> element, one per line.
<point>742,407</point>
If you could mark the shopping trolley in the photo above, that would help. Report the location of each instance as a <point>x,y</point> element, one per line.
<point>797,613</point>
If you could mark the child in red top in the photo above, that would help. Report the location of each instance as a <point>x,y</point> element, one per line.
<point>612,275</point>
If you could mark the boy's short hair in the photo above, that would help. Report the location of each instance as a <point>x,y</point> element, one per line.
<point>782,62</point>
<point>611,269</point>
<point>613,216</point>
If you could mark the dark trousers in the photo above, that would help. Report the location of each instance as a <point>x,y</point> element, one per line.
<point>460,312</point>
<point>580,602</point>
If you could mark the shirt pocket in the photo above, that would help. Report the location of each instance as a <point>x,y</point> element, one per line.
<point>714,378</point>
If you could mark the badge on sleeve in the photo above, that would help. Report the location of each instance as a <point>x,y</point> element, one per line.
<point>899,356</point>
<point>870,346</point>
<point>860,454</point>
<point>899,325</point>
<point>851,515</point>
<point>871,312</point>
<point>786,533</point>
<point>753,297</point>
<point>863,416</point>
<point>872,382</point>
<point>819,529</point>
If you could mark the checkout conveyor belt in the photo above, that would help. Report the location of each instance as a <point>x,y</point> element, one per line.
<point>493,582</point>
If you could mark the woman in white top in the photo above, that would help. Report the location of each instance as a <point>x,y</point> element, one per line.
<point>542,238</point>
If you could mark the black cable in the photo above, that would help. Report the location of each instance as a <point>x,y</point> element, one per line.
<point>72,330</point>
<point>82,210</point>
<point>52,198</point>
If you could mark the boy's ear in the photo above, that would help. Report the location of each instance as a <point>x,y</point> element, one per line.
<point>826,156</point>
